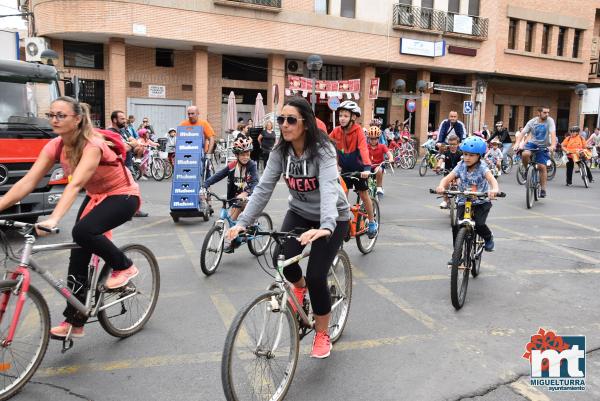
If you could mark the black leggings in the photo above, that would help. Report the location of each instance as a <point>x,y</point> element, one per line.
<point>88,232</point>
<point>479,213</point>
<point>570,164</point>
<point>321,256</point>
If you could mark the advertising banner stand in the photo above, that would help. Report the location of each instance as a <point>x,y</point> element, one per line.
<point>188,174</point>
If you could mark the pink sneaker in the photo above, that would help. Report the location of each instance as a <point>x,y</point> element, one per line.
<point>63,329</point>
<point>321,345</point>
<point>299,294</point>
<point>118,278</point>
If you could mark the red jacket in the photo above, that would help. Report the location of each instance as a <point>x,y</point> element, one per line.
<point>353,154</point>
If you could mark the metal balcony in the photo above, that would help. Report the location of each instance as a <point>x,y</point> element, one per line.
<point>420,18</point>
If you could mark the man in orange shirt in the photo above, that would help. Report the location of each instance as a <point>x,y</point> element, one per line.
<point>194,120</point>
<point>576,147</point>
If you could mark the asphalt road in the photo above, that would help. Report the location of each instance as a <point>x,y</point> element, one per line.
<point>403,341</point>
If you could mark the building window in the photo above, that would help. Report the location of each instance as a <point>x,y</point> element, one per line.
<point>560,49</point>
<point>529,36</point>
<point>83,55</point>
<point>165,58</point>
<point>512,34</point>
<point>348,8</point>
<point>245,68</point>
<point>545,38</point>
<point>576,42</point>
<point>427,3</point>
<point>322,6</point>
<point>498,113</point>
<point>454,6</point>
<point>527,115</point>
<point>474,8</point>
<point>331,72</point>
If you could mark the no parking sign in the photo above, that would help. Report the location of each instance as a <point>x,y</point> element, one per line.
<point>411,106</point>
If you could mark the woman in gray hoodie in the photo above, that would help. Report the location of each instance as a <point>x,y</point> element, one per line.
<point>307,159</point>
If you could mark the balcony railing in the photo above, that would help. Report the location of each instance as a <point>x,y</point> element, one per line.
<point>441,21</point>
<point>262,4</point>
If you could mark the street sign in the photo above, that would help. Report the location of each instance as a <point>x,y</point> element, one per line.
<point>411,106</point>
<point>333,103</point>
<point>467,107</point>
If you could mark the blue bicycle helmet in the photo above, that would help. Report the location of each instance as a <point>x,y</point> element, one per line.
<point>474,144</point>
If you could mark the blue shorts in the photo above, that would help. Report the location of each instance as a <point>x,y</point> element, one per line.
<point>540,155</point>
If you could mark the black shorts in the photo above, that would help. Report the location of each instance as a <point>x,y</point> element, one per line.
<point>360,184</point>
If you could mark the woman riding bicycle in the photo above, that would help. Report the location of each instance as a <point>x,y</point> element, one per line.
<point>112,198</point>
<point>307,158</point>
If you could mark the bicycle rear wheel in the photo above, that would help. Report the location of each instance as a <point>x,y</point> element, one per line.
<point>507,164</point>
<point>461,263</point>
<point>339,282</point>
<point>530,187</point>
<point>258,245</point>
<point>212,249</point>
<point>423,166</point>
<point>364,243</point>
<point>261,351</point>
<point>583,172</point>
<point>168,170</point>
<point>126,310</point>
<point>21,357</point>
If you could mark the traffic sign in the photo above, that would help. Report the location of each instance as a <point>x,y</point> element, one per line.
<point>411,106</point>
<point>467,107</point>
<point>333,103</point>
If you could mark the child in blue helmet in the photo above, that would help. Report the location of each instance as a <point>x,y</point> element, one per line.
<point>473,175</point>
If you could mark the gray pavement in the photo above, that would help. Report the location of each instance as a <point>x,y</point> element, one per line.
<point>403,341</point>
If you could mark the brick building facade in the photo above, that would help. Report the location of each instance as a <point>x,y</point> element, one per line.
<point>514,55</point>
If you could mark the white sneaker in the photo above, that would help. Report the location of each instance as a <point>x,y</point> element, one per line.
<point>379,190</point>
<point>444,205</point>
<point>144,178</point>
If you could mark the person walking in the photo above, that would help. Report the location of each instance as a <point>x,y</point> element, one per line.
<point>266,140</point>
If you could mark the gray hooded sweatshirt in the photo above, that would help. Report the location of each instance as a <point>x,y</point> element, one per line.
<point>315,192</point>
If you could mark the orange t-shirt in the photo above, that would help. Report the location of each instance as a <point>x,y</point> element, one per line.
<point>208,131</point>
<point>573,144</point>
<point>110,178</point>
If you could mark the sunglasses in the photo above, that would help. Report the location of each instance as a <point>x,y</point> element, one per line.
<point>291,120</point>
<point>58,116</point>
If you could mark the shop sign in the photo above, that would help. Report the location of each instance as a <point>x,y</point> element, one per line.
<point>422,47</point>
<point>157,91</point>
<point>303,86</point>
<point>379,110</point>
<point>374,89</point>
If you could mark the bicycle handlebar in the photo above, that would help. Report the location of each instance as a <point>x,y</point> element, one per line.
<point>468,193</point>
<point>29,226</point>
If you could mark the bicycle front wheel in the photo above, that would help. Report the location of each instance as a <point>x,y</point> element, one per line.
<point>461,263</point>
<point>158,169</point>
<point>125,310</point>
<point>584,173</point>
<point>423,166</point>
<point>507,164</point>
<point>364,243</point>
<point>259,244</point>
<point>551,169</point>
<point>261,351</point>
<point>452,207</point>
<point>22,356</point>
<point>521,174</point>
<point>212,249</point>
<point>530,187</point>
<point>339,282</point>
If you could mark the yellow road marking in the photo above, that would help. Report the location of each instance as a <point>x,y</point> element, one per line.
<point>190,249</point>
<point>406,307</point>
<point>526,390</point>
<point>559,219</point>
<point>145,226</point>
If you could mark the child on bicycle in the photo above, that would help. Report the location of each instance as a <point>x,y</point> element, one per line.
<point>144,143</point>
<point>242,177</point>
<point>171,140</point>
<point>473,175</point>
<point>448,160</point>
<point>307,159</point>
<point>494,155</point>
<point>378,152</point>
<point>573,145</point>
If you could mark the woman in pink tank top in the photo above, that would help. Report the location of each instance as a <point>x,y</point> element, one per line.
<point>112,198</point>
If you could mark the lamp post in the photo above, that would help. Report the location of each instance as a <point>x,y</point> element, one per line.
<point>314,64</point>
<point>579,91</point>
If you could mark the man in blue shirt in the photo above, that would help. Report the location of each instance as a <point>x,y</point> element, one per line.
<point>451,124</point>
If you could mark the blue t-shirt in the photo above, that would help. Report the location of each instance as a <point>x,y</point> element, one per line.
<point>471,180</point>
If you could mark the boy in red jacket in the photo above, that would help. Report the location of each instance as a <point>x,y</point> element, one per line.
<point>353,155</point>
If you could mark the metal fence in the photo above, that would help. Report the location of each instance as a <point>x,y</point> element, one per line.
<point>266,3</point>
<point>436,20</point>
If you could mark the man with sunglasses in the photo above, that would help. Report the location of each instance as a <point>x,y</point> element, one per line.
<point>353,155</point>
<point>193,120</point>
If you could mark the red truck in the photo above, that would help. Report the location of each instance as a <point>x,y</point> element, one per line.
<point>26,91</point>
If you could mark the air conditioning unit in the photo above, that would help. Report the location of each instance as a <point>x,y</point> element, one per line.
<point>295,67</point>
<point>34,47</point>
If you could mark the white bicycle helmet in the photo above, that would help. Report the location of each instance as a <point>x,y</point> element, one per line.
<point>241,145</point>
<point>351,106</point>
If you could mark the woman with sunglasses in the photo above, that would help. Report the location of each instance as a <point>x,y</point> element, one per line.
<point>112,198</point>
<point>307,159</point>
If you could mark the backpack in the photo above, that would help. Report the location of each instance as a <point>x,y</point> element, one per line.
<point>115,143</point>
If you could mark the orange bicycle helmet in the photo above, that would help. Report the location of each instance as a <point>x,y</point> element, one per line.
<point>374,132</point>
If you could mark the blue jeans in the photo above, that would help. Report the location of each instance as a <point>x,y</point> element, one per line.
<point>505,148</point>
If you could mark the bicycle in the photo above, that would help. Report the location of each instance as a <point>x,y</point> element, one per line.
<point>468,248</point>
<point>522,169</point>
<point>372,182</point>
<point>558,155</point>
<point>208,168</point>
<point>405,155</point>
<point>215,238</point>
<point>153,164</point>
<point>220,152</point>
<point>428,161</point>
<point>507,163</point>
<point>582,165</point>
<point>262,345</point>
<point>358,225</point>
<point>24,314</point>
